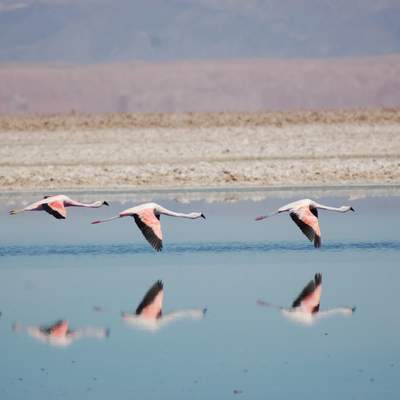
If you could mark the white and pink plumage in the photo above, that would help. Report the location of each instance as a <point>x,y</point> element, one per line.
<point>57,205</point>
<point>147,218</point>
<point>305,215</point>
<point>59,334</point>
<point>149,314</point>
<point>306,307</point>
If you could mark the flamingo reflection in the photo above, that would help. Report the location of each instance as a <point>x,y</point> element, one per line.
<point>149,315</point>
<point>59,333</point>
<point>306,307</point>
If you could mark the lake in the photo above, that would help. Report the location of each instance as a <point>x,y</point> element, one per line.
<point>87,274</point>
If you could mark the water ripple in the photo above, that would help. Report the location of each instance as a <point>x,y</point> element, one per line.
<point>201,247</point>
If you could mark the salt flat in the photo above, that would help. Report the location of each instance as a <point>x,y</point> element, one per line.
<point>130,151</point>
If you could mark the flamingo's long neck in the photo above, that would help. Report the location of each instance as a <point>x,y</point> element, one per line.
<point>95,204</point>
<point>337,209</point>
<point>162,210</point>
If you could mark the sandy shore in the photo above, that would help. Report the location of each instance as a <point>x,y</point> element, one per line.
<point>136,151</point>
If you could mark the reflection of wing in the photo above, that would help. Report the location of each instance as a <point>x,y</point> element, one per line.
<point>151,305</point>
<point>46,335</point>
<point>309,298</point>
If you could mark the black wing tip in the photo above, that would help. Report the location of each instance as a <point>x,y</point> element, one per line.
<point>150,295</point>
<point>317,241</point>
<point>157,246</point>
<point>160,284</point>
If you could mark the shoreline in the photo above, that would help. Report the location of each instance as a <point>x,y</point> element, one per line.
<point>217,150</point>
<point>211,195</point>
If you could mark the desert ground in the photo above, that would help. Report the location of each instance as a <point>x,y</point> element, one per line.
<point>137,150</point>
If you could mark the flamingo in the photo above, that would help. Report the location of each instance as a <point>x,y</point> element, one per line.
<point>305,215</point>
<point>147,218</point>
<point>59,334</point>
<point>56,205</point>
<point>149,315</point>
<point>306,307</point>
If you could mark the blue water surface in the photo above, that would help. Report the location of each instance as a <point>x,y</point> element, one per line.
<point>88,274</point>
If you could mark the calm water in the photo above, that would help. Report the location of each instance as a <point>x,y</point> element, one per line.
<point>53,269</point>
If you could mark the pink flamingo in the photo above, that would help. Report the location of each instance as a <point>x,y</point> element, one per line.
<point>56,205</point>
<point>149,315</point>
<point>147,218</point>
<point>305,214</point>
<point>306,307</point>
<point>59,334</point>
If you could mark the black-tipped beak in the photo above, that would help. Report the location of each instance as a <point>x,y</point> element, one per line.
<point>203,216</point>
<point>352,209</point>
<point>105,203</point>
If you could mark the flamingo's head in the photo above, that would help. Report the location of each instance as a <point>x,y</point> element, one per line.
<point>346,208</point>
<point>197,215</point>
<point>100,203</point>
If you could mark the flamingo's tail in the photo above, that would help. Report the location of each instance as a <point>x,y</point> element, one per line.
<point>12,212</point>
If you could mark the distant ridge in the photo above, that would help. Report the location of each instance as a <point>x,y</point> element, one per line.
<point>201,86</point>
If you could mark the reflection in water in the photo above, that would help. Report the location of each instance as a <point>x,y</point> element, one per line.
<point>306,308</point>
<point>59,334</point>
<point>149,313</point>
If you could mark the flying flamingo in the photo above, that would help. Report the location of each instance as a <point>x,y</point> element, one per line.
<point>147,218</point>
<point>305,214</point>
<point>306,308</point>
<point>59,334</point>
<point>56,205</point>
<point>149,315</point>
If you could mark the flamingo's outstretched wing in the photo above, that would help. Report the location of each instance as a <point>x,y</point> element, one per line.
<point>307,220</point>
<point>149,223</point>
<point>310,296</point>
<point>151,305</point>
<point>56,209</point>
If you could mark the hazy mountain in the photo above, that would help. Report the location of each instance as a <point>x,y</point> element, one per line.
<point>209,85</point>
<point>109,30</point>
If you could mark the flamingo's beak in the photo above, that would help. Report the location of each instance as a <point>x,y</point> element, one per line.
<point>352,209</point>
<point>105,203</point>
<point>203,216</point>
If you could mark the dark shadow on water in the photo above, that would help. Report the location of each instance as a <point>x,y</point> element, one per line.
<point>187,248</point>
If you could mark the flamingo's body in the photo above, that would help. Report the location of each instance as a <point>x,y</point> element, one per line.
<point>147,218</point>
<point>59,334</point>
<point>306,307</point>
<point>57,205</point>
<point>149,315</point>
<point>305,214</point>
